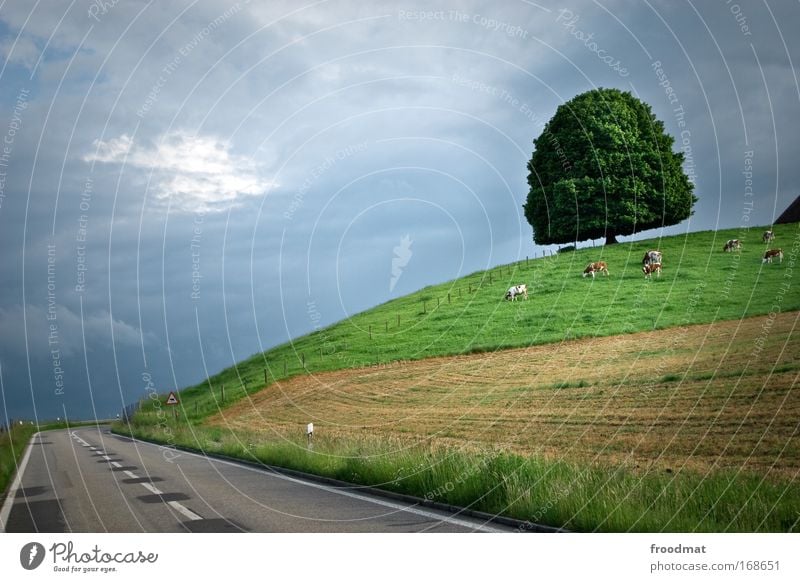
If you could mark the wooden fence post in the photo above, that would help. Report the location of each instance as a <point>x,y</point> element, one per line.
<point>448,297</point>
<point>370,332</point>
<point>398,320</point>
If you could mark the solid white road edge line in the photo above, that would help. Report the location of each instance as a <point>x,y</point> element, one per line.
<point>389,504</point>
<point>12,491</point>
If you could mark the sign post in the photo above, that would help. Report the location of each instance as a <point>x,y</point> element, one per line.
<point>172,400</point>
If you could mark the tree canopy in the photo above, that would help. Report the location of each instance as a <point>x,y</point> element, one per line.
<point>602,167</point>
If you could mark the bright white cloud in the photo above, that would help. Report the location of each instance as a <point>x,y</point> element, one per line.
<point>193,172</point>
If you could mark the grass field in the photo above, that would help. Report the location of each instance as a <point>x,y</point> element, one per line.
<point>693,428</point>
<point>696,397</point>
<point>614,404</point>
<point>700,284</point>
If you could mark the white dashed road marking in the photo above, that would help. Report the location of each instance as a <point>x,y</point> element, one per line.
<point>152,489</point>
<point>179,507</point>
<point>184,510</point>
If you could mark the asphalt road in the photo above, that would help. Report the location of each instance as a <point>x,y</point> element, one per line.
<point>89,480</point>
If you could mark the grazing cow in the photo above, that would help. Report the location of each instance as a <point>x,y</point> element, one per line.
<point>648,270</point>
<point>651,257</point>
<point>732,245</point>
<point>517,290</point>
<point>768,236</point>
<point>771,254</point>
<point>598,267</point>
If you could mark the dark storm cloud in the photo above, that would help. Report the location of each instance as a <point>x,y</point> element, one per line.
<point>186,177</point>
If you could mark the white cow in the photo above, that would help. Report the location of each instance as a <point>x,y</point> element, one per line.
<point>517,290</point>
<point>732,245</point>
<point>651,257</point>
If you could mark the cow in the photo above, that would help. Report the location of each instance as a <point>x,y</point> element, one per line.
<point>768,236</point>
<point>651,257</point>
<point>512,292</point>
<point>598,267</point>
<point>732,245</point>
<point>771,254</point>
<point>648,270</point>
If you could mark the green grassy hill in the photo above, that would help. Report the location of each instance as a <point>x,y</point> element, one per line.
<point>603,490</point>
<point>700,284</point>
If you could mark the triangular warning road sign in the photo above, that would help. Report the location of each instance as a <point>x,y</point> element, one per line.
<point>172,399</point>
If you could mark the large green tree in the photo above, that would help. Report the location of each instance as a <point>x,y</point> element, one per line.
<point>602,167</point>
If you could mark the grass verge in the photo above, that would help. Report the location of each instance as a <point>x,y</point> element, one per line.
<point>535,490</point>
<point>12,445</point>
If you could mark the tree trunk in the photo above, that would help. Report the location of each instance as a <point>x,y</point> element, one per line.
<point>611,239</point>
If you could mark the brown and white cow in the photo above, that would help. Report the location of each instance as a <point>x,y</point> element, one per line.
<point>516,290</point>
<point>598,267</point>
<point>768,236</point>
<point>651,257</point>
<point>648,270</point>
<point>732,245</point>
<point>772,254</point>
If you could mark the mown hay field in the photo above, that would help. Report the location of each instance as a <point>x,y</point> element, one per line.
<point>702,397</point>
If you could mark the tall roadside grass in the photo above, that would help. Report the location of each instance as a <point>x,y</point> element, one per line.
<point>12,444</point>
<point>534,490</point>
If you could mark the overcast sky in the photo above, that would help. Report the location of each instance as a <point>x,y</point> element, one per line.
<point>179,179</point>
